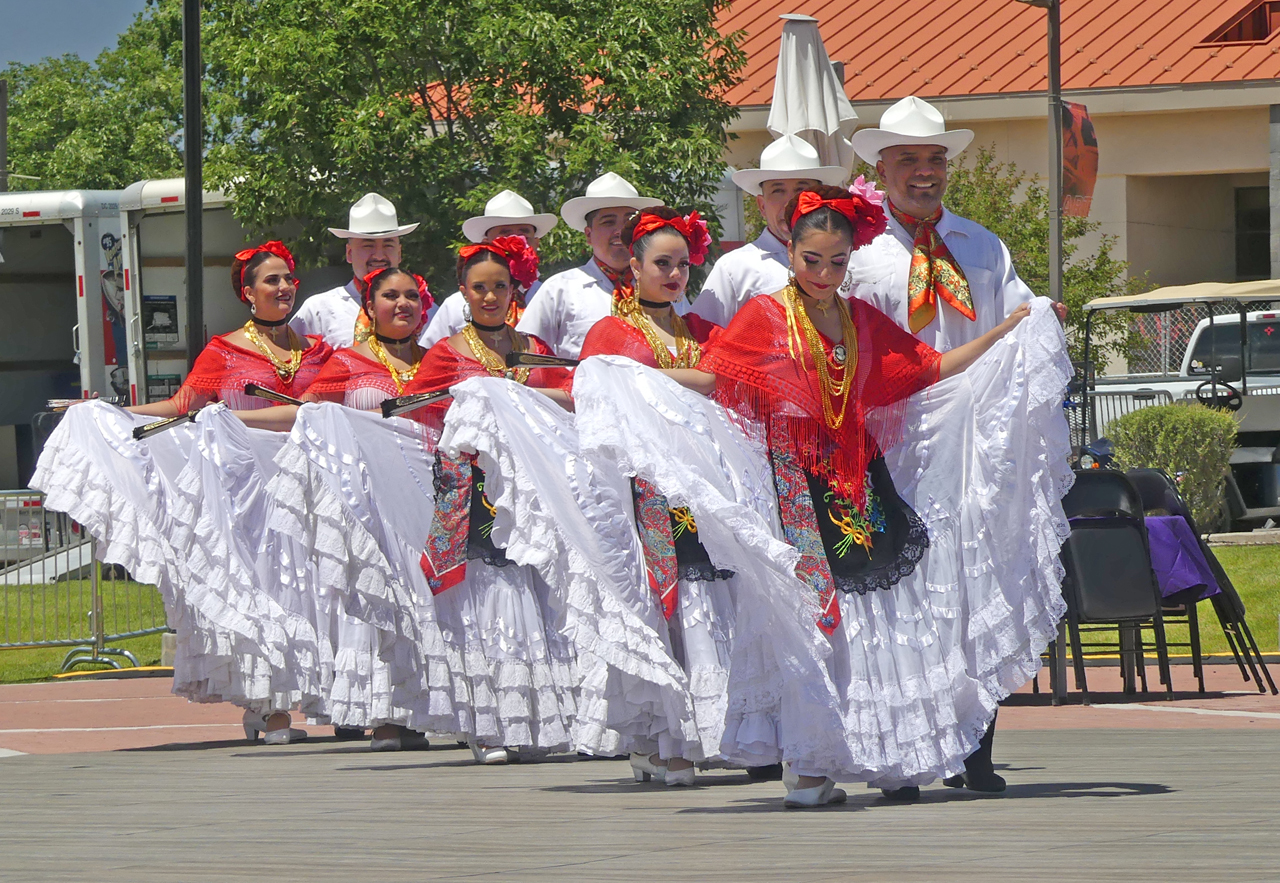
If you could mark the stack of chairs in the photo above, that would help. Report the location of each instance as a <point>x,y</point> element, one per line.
<point>1159,492</point>
<point>1109,584</point>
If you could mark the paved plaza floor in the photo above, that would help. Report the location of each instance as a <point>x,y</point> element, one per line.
<point>1122,791</point>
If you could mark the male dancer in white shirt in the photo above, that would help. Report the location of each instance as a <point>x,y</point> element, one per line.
<point>787,166</point>
<point>946,279</point>
<point>507,214</point>
<point>373,243</point>
<point>569,303</point>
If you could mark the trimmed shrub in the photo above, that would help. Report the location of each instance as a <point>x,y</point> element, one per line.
<point>1189,441</point>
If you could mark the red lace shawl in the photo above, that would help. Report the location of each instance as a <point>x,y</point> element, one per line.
<point>346,371</point>
<point>222,370</point>
<point>443,366</point>
<point>758,377</point>
<point>613,336</point>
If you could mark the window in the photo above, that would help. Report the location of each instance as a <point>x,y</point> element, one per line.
<point>1258,22</point>
<point>1253,233</point>
<point>1262,355</point>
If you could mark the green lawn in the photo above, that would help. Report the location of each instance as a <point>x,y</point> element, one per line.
<point>62,609</point>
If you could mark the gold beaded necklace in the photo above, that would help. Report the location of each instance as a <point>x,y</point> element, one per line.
<point>687,354</point>
<point>492,362</point>
<point>845,354</point>
<point>285,370</point>
<point>398,377</point>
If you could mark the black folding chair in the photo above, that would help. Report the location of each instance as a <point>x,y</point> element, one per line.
<point>1160,494</point>
<point>1159,491</point>
<point>1109,581</point>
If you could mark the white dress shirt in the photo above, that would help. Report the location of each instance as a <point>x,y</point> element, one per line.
<point>879,274</point>
<point>448,319</point>
<point>759,267</point>
<point>330,314</point>
<point>568,304</point>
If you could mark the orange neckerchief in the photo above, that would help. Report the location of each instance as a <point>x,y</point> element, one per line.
<point>935,273</point>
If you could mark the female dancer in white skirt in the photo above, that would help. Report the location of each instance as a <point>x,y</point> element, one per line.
<point>690,592</point>
<point>410,543</point>
<point>136,496</point>
<point>825,384</point>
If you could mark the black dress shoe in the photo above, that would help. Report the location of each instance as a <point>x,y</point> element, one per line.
<point>956,781</point>
<point>770,773</point>
<point>979,773</point>
<point>906,793</point>
<point>348,734</point>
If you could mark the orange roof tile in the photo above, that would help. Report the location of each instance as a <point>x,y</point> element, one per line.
<point>994,47</point>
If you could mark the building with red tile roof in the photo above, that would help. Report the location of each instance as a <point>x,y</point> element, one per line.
<point>1184,96</point>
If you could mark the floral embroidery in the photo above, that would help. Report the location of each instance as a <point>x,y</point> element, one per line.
<point>681,521</point>
<point>856,525</point>
<point>800,527</point>
<point>445,560</point>
<point>653,521</point>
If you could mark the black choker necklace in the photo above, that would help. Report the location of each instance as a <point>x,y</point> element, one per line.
<point>653,304</point>
<point>491,329</point>
<point>393,341</point>
<point>265,324</point>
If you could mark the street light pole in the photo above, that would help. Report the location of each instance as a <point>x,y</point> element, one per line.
<point>1053,8</point>
<point>193,162</point>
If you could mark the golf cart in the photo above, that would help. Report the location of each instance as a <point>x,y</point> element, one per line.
<point>1230,360</point>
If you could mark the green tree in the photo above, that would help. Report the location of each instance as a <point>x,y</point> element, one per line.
<point>76,125</point>
<point>438,104</point>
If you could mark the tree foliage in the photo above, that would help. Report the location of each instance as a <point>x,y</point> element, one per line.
<point>76,125</point>
<point>436,104</point>
<point>439,104</point>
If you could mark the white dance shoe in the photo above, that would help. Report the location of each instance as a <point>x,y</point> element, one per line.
<point>644,769</point>
<point>490,756</point>
<point>678,778</point>
<point>819,795</point>
<point>405,740</point>
<point>257,723</point>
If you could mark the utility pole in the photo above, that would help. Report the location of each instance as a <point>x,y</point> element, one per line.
<point>4,135</point>
<point>1053,8</point>
<point>193,172</point>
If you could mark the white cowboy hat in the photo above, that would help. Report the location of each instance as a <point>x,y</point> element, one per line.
<point>910,121</point>
<point>508,207</point>
<point>788,157</point>
<point>373,218</point>
<point>607,191</point>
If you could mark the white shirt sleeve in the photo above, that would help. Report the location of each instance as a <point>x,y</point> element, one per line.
<point>446,322</point>
<point>1011,291</point>
<point>718,299</point>
<point>542,317</point>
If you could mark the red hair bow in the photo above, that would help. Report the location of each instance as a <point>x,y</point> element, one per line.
<point>521,260</point>
<point>275,247</point>
<point>691,227</point>
<point>867,218</point>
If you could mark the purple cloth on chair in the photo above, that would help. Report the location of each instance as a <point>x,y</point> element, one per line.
<point>1177,559</point>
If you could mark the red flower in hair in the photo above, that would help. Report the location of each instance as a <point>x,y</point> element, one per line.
<point>521,260</point>
<point>867,218</point>
<point>275,247</point>
<point>691,227</point>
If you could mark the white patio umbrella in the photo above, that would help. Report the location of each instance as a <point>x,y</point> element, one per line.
<point>808,99</point>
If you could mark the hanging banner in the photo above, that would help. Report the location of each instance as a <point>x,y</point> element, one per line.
<point>1079,160</point>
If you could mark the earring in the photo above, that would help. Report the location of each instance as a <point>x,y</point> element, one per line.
<point>466,311</point>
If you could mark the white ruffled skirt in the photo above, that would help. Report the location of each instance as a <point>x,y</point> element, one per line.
<point>905,687</point>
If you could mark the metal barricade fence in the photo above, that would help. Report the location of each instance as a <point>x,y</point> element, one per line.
<point>1105,407</point>
<point>54,593</point>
